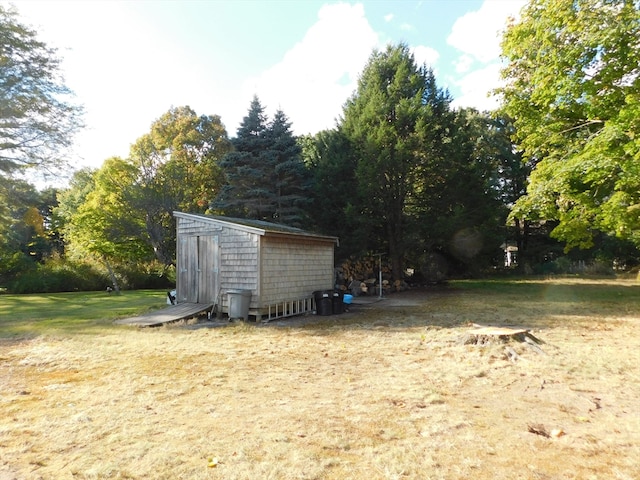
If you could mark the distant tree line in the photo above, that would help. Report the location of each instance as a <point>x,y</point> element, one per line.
<point>403,174</point>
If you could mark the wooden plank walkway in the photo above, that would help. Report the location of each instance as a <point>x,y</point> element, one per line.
<point>170,314</point>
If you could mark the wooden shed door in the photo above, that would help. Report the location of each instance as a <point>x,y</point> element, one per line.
<point>198,281</point>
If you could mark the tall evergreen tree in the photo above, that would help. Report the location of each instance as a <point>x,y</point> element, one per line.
<point>384,119</point>
<point>291,180</point>
<point>426,179</point>
<point>330,158</point>
<point>243,194</point>
<point>250,134</point>
<point>454,208</point>
<point>266,178</point>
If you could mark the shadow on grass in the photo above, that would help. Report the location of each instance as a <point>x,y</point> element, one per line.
<point>532,303</point>
<point>28,316</point>
<point>535,304</point>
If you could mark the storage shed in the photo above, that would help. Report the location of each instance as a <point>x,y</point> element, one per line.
<point>280,266</point>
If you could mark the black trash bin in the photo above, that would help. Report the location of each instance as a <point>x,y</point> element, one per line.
<point>337,299</point>
<point>323,301</point>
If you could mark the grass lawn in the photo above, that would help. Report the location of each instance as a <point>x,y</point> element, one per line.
<point>386,391</point>
<point>81,312</point>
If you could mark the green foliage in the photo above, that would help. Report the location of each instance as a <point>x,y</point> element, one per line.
<point>136,276</point>
<point>330,158</point>
<point>385,121</point>
<point>567,266</point>
<point>63,275</point>
<point>244,194</point>
<point>573,88</point>
<point>28,231</point>
<point>106,224</point>
<point>59,276</point>
<point>458,208</point>
<point>37,118</point>
<point>265,176</point>
<point>12,264</point>
<point>428,180</point>
<point>180,146</point>
<point>287,173</point>
<point>124,211</point>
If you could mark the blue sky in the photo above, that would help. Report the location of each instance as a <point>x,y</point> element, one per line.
<point>130,61</point>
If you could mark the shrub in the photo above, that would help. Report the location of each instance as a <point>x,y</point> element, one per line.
<point>151,275</point>
<point>599,268</point>
<point>59,276</point>
<point>11,263</point>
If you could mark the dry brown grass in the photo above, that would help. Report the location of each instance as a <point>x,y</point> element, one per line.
<point>386,391</point>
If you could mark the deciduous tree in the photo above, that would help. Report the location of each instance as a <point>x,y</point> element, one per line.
<point>128,213</point>
<point>28,233</point>
<point>37,115</point>
<point>573,88</point>
<point>177,169</point>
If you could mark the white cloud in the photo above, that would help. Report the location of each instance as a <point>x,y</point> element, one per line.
<point>463,63</point>
<point>476,87</point>
<point>478,33</point>
<point>477,36</point>
<point>318,74</point>
<point>124,79</point>
<point>426,55</point>
<point>118,77</point>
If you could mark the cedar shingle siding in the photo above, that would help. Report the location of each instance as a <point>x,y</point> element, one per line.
<point>277,263</point>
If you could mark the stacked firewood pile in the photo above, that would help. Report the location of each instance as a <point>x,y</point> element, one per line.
<point>361,277</point>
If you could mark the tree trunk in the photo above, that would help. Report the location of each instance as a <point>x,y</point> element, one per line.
<point>114,280</point>
<point>522,240</point>
<point>156,236</point>
<point>394,232</point>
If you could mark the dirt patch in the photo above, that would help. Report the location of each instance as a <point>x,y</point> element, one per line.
<point>384,391</point>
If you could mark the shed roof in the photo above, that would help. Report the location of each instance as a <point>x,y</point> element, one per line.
<point>259,227</point>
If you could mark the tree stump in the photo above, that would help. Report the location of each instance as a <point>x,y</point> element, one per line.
<point>489,335</point>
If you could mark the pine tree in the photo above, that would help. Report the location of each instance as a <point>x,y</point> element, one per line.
<point>266,178</point>
<point>384,120</point>
<point>291,180</point>
<point>243,194</point>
